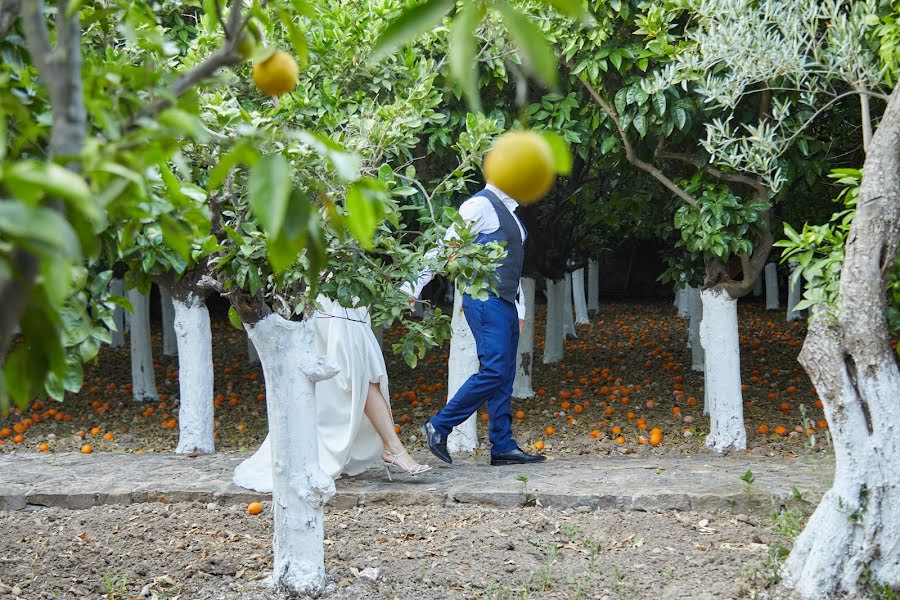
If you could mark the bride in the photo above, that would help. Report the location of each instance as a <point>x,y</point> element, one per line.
<point>354,421</point>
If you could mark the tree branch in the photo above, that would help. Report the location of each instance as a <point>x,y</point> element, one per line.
<point>9,11</point>
<point>753,182</point>
<point>37,37</point>
<point>225,56</point>
<point>629,149</point>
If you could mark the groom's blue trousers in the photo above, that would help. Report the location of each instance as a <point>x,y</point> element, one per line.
<point>495,327</point>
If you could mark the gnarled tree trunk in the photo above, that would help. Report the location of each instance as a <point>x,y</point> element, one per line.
<point>795,293</point>
<point>852,540</point>
<point>300,489</point>
<point>170,345</point>
<point>695,313</point>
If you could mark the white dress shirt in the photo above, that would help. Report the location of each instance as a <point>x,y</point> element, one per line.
<point>479,213</point>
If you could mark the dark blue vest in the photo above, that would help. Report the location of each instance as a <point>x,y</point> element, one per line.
<point>510,269</point>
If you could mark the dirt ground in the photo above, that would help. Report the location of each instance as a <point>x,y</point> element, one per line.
<point>626,373</point>
<point>204,552</point>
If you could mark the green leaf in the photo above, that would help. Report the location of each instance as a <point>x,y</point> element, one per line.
<point>27,177</point>
<point>463,66</point>
<point>176,235</point>
<point>574,9</point>
<point>345,163</point>
<point>73,6</point>
<point>659,103</point>
<point>234,319</point>
<point>680,117</point>
<point>530,41</point>
<point>298,38</point>
<point>363,217</point>
<point>562,156</point>
<point>269,188</point>
<point>409,25</point>
<point>243,153</point>
<point>41,230</point>
<point>185,122</point>
<point>608,144</point>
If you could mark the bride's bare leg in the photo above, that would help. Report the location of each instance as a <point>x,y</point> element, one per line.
<point>379,415</point>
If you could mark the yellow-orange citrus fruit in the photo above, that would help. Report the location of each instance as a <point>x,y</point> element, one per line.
<point>539,445</point>
<point>254,508</point>
<point>521,164</point>
<point>86,449</point>
<point>656,435</point>
<point>277,74</point>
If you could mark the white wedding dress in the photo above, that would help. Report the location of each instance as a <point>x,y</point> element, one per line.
<point>348,444</point>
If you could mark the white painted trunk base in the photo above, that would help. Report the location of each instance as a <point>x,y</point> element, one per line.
<point>170,345</point>
<point>795,294</point>
<point>525,351</point>
<point>695,314</point>
<point>681,303</point>
<point>118,334</point>
<point>143,379</point>
<point>554,349</point>
<point>463,364</point>
<point>722,388</point>
<point>593,286</point>
<point>568,309</point>
<point>771,273</point>
<point>835,551</point>
<point>300,489</point>
<point>195,376</point>
<point>581,313</point>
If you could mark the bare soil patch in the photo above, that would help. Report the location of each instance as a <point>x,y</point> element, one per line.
<point>205,552</point>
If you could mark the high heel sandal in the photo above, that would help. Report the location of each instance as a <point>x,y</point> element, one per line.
<point>412,471</point>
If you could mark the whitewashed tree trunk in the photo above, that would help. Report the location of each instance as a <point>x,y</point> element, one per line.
<point>554,349</point>
<point>170,344</point>
<point>771,287</point>
<point>143,379</point>
<point>300,489</point>
<point>568,309</point>
<point>850,546</point>
<point>195,375</point>
<point>695,313</point>
<point>252,354</point>
<point>681,303</point>
<point>462,365</point>
<point>525,351</point>
<point>593,286</point>
<point>719,330</point>
<point>581,313</point>
<point>795,294</point>
<point>118,336</point>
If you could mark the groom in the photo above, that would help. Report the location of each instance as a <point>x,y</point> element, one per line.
<point>495,324</point>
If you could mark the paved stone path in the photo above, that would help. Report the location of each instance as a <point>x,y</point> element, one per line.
<point>699,482</point>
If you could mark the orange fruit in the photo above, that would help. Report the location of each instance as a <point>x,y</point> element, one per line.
<point>550,431</point>
<point>539,445</point>
<point>86,449</point>
<point>275,76</point>
<point>763,429</point>
<point>18,438</point>
<point>254,508</point>
<point>108,436</point>
<point>43,447</point>
<point>520,414</point>
<point>521,164</point>
<point>656,435</point>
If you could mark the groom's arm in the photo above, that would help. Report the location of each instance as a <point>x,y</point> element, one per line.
<point>472,213</point>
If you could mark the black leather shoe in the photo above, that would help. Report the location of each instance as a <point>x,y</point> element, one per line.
<point>516,457</point>
<point>436,443</point>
